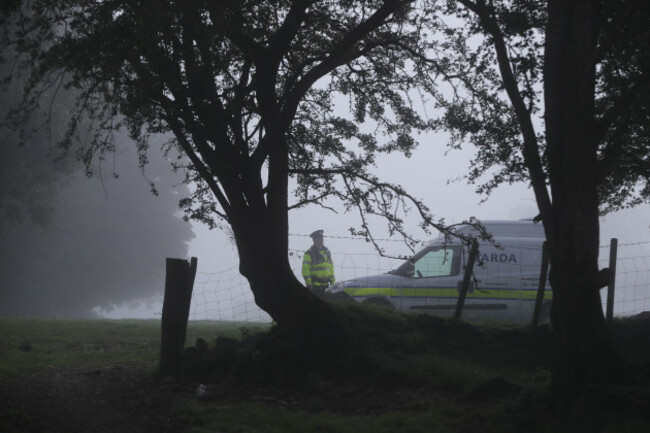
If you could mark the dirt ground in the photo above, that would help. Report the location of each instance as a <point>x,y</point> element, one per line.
<point>125,399</point>
<point>130,399</point>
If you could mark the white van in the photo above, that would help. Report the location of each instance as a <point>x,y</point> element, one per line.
<point>504,283</point>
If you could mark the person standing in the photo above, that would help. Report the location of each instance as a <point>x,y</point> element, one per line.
<point>317,266</point>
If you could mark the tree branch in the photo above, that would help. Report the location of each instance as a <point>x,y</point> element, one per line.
<point>346,173</point>
<point>531,146</point>
<point>339,54</point>
<point>314,200</point>
<point>283,38</point>
<point>200,167</point>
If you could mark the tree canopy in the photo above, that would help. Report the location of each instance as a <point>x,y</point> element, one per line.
<point>218,75</point>
<point>250,91</point>
<point>497,109</point>
<point>555,93</point>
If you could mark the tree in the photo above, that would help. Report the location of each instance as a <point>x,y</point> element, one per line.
<point>248,90</point>
<point>32,200</point>
<point>583,63</point>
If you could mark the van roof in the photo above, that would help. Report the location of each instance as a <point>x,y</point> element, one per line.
<point>507,228</point>
<point>521,228</point>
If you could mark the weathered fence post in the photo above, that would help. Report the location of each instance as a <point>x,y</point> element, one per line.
<point>179,281</point>
<point>613,250</point>
<point>473,252</point>
<point>541,288</point>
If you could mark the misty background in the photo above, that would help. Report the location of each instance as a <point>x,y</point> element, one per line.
<point>74,245</point>
<point>78,246</point>
<point>76,239</point>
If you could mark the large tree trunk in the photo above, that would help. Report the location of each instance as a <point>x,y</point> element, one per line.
<point>311,323</point>
<point>587,354</point>
<point>261,229</point>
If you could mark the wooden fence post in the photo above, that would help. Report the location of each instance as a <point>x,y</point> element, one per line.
<point>473,252</point>
<point>179,282</point>
<point>541,288</point>
<point>613,250</point>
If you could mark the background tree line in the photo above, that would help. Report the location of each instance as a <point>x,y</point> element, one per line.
<point>72,243</point>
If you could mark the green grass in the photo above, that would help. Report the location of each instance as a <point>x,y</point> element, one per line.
<point>262,418</point>
<point>443,370</point>
<point>443,353</point>
<point>209,329</point>
<point>436,365</point>
<point>27,345</point>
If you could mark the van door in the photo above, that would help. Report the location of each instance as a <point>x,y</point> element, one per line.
<point>435,279</point>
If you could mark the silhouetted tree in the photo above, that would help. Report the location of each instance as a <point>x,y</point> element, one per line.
<point>585,64</point>
<point>248,88</point>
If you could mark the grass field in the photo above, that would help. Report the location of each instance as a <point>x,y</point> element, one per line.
<point>27,345</point>
<point>421,376</point>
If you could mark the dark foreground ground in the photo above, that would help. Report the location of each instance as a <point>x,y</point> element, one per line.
<point>129,399</point>
<point>122,398</point>
<point>420,375</point>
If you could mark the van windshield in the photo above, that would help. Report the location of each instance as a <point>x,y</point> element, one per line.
<point>433,261</point>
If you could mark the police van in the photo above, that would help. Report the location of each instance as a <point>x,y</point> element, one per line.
<point>503,286</point>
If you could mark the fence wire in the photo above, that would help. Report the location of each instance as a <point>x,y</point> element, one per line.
<point>225,295</point>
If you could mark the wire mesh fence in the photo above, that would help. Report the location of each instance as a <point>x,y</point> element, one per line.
<point>632,295</point>
<point>225,295</point>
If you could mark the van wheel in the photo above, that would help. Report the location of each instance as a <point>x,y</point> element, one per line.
<point>380,302</point>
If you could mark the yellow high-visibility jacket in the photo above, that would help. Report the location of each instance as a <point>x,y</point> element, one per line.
<point>317,267</point>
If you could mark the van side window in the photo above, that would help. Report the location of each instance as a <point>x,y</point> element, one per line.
<point>438,262</point>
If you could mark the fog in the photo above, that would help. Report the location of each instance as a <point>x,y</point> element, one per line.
<point>431,175</point>
<point>97,247</point>
<point>77,245</point>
